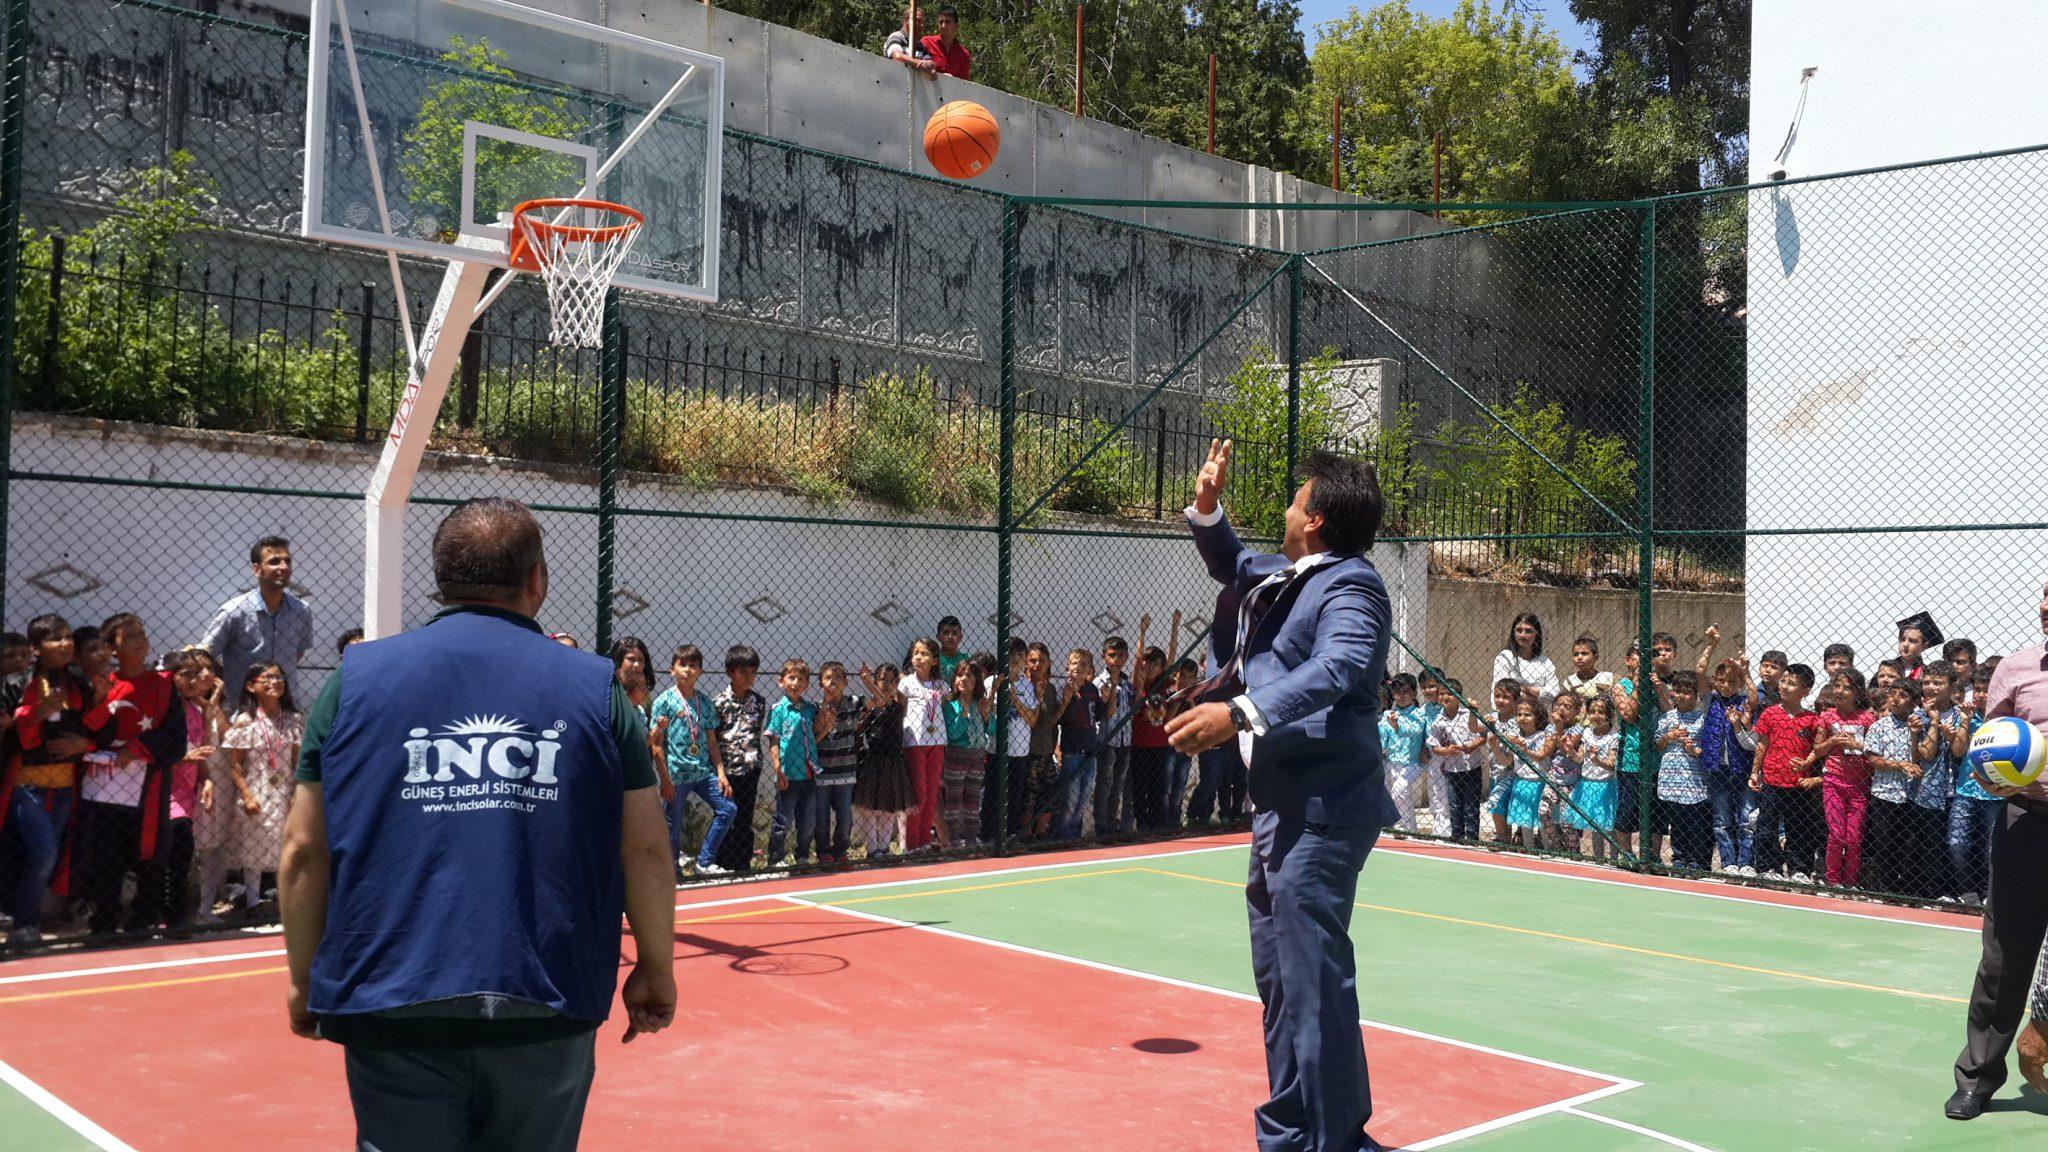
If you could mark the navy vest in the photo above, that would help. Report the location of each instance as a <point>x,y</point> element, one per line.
<point>473,793</point>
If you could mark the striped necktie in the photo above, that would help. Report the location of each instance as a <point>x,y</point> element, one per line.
<point>1251,612</point>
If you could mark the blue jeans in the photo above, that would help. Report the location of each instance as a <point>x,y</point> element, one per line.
<point>36,817</point>
<point>723,810</point>
<point>1299,896</point>
<point>795,805</point>
<point>835,820</point>
<point>1970,824</point>
<point>1733,818</point>
<point>1077,771</point>
<point>1177,766</point>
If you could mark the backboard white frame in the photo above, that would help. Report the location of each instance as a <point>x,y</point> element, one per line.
<point>324,15</point>
<point>475,130</point>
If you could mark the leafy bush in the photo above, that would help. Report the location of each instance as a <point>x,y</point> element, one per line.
<point>896,426</point>
<point>132,345</point>
<point>1110,482</point>
<point>1253,414</point>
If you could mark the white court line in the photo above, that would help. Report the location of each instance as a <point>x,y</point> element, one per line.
<point>1514,1118</point>
<point>1652,1133</point>
<point>1750,901</point>
<point>1618,1083</point>
<point>148,966</point>
<point>67,1115</point>
<point>1106,860</point>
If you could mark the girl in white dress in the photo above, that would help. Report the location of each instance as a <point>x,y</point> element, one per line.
<point>263,746</point>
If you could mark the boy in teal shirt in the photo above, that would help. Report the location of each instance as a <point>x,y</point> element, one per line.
<point>793,764</point>
<point>685,731</point>
<point>1402,730</point>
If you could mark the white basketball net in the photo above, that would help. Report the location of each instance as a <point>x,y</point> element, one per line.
<point>577,265</point>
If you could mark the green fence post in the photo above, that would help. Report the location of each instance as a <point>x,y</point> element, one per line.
<point>1646,544</point>
<point>1293,370</point>
<point>1006,443</point>
<point>13,126</point>
<point>611,420</point>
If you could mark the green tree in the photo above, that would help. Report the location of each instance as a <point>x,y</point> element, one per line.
<point>1146,62</point>
<point>1496,84</point>
<point>480,87</point>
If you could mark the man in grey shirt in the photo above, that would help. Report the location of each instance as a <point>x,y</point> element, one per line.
<point>903,44</point>
<point>266,624</point>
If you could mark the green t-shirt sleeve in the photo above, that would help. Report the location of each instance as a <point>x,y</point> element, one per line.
<point>319,722</point>
<point>630,733</point>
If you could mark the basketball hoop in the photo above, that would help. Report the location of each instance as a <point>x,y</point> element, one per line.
<point>575,261</point>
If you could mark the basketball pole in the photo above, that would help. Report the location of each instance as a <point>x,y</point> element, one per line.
<point>412,425</point>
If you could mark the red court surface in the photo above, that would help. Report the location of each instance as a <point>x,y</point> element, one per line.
<point>801,1027</point>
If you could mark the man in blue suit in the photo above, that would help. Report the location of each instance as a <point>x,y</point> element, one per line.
<point>1300,639</point>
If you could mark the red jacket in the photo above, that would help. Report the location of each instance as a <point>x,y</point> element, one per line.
<point>954,61</point>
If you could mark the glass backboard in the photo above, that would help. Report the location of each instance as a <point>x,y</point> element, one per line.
<point>428,120</point>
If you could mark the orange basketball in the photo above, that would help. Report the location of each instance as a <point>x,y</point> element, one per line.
<point>961,140</point>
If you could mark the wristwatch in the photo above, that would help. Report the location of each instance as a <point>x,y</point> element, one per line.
<point>1238,718</point>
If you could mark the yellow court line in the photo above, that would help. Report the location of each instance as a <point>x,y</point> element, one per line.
<point>778,909</point>
<point>980,887</point>
<point>70,992</point>
<point>1608,944</point>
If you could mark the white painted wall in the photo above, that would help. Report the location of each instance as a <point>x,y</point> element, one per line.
<point>1897,350</point>
<point>680,580</point>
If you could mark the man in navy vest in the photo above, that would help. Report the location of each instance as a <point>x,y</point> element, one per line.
<point>1300,639</point>
<point>476,806</point>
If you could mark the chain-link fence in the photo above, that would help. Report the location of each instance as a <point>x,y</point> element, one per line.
<point>922,413</point>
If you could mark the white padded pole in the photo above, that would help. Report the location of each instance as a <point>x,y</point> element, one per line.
<point>412,426</point>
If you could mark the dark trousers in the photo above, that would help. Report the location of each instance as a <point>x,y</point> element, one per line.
<point>1692,833</point>
<point>165,878</point>
<point>795,807</point>
<point>1221,785</point>
<point>1887,841</point>
<point>521,1098</point>
<point>1464,803</point>
<point>101,857</point>
<point>1303,882</point>
<point>2015,918</point>
<point>835,820</point>
<point>736,851</point>
<point>1926,862</point>
<point>1788,831</point>
<point>1148,787</point>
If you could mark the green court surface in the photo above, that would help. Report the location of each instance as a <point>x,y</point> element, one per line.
<point>1703,1018</point>
<point>1748,1025</point>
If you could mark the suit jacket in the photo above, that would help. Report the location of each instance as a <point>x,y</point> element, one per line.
<point>1312,668</point>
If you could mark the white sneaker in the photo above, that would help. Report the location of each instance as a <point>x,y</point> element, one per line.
<point>1745,871</point>
<point>713,870</point>
<point>1801,878</point>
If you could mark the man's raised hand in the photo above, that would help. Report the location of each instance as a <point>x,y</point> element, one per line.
<point>1215,471</point>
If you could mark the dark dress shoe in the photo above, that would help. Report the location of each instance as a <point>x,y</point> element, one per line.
<point>1965,1106</point>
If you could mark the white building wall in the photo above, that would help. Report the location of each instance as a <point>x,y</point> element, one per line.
<point>1897,349</point>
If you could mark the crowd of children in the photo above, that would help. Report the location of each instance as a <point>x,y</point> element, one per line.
<point>899,759</point>
<point>1824,778</point>
<point>131,782</point>
<point>126,778</point>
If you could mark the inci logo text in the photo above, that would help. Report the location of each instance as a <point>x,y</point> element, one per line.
<point>498,744</point>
